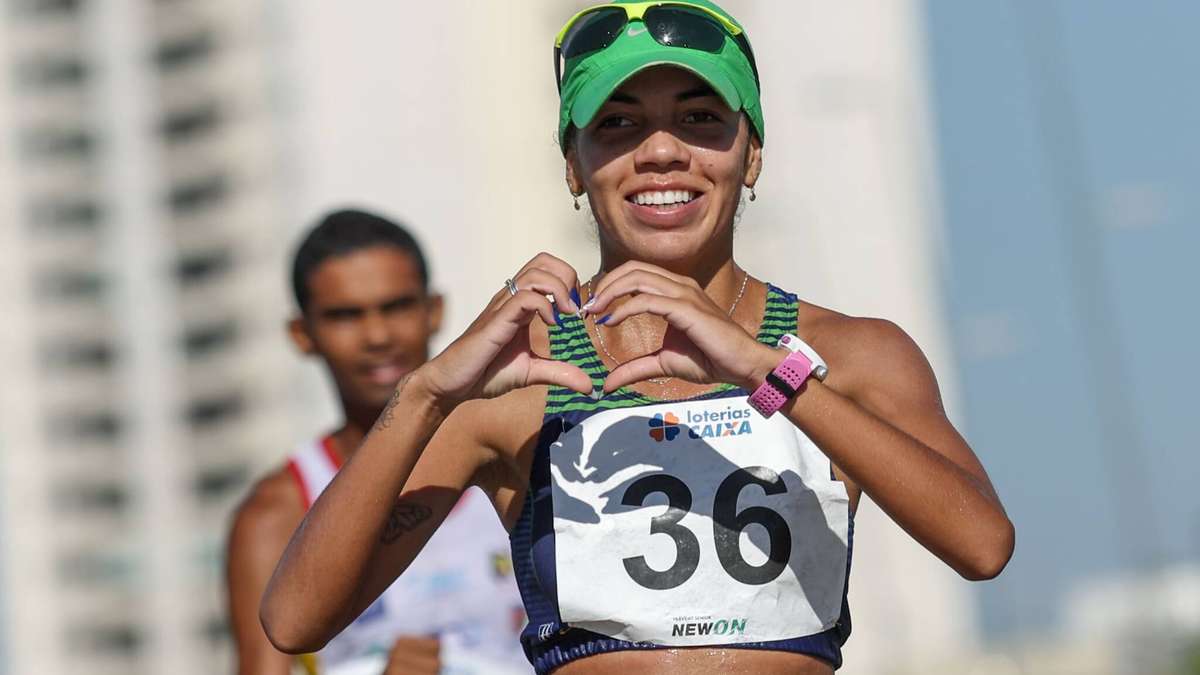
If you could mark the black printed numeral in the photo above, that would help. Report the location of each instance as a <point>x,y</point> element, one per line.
<point>728,525</point>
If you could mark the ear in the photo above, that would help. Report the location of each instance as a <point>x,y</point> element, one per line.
<point>574,182</point>
<point>753,160</point>
<point>298,331</point>
<point>437,306</point>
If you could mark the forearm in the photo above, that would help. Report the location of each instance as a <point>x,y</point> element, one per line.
<point>313,592</point>
<point>939,503</point>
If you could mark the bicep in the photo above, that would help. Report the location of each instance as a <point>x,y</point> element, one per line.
<point>254,550</point>
<point>901,388</point>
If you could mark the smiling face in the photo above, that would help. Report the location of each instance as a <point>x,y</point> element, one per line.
<point>663,164</point>
<point>370,318</point>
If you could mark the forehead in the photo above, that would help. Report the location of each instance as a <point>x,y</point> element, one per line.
<point>365,276</point>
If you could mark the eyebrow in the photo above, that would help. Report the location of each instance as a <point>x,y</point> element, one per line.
<point>701,91</point>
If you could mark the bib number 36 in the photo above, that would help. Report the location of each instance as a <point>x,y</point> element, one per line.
<point>728,525</point>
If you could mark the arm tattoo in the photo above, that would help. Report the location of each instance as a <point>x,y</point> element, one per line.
<point>389,411</point>
<point>404,517</point>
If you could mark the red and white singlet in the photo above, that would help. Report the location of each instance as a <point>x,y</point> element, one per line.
<point>460,589</point>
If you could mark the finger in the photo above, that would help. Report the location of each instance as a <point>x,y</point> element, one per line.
<point>680,314</point>
<point>639,281</point>
<point>554,265</point>
<point>520,308</point>
<point>546,371</point>
<point>544,282</point>
<point>640,266</point>
<point>635,370</point>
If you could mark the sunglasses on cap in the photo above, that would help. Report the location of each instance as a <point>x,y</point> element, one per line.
<point>671,24</point>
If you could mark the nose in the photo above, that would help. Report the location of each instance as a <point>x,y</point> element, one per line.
<point>662,151</point>
<point>376,333</point>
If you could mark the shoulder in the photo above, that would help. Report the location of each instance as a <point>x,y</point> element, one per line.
<point>870,359</point>
<point>272,509</point>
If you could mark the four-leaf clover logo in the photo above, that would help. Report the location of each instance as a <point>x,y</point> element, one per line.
<point>664,428</point>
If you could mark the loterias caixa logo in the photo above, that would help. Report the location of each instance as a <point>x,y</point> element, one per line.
<point>701,424</point>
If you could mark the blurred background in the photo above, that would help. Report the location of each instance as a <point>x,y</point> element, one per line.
<point>1009,180</point>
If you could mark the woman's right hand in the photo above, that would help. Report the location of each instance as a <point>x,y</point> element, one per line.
<point>494,355</point>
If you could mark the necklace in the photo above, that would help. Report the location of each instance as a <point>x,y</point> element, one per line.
<point>660,380</point>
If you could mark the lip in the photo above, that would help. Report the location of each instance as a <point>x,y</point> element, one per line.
<point>385,374</point>
<point>663,216</point>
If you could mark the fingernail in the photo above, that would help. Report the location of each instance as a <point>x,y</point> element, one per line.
<point>575,296</point>
<point>583,311</point>
<point>597,393</point>
<point>603,320</point>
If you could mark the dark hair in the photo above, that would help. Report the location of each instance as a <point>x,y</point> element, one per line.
<point>343,232</point>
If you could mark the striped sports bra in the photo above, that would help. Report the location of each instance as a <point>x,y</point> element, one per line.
<point>651,524</point>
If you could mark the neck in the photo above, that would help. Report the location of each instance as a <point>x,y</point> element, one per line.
<point>351,434</point>
<point>715,272</point>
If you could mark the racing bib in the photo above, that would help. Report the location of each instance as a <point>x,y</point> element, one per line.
<point>696,523</point>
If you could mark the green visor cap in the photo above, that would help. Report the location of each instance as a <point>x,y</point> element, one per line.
<point>591,79</point>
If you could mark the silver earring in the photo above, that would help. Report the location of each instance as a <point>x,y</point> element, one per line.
<point>752,195</point>
<point>577,206</point>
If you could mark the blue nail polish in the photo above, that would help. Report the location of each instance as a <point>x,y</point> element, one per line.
<point>575,296</point>
<point>603,320</point>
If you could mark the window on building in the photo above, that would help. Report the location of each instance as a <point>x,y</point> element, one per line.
<point>201,266</point>
<point>216,483</point>
<point>215,630</point>
<point>117,638</point>
<point>48,6</point>
<point>91,567</point>
<point>66,213</point>
<point>90,427</point>
<point>208,412</point>
<point>198,193</point>
<point>52,143</point>
<point>181,51</point>
<point>201,341</point>
<point>187,123</point>
<point>91,497</point>
<point>47,71</point>
<point>72,354</point>
<point>71,285</point>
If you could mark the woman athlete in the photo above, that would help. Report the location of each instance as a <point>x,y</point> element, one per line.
<point>676,446</point>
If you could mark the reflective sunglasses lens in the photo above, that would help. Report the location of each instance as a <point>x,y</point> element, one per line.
<point>690,29</point>
<point>593,31</point>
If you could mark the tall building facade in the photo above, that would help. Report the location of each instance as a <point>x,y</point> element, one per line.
<point>140,217</point>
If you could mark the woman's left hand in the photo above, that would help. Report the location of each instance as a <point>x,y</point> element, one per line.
<point>702,343</point>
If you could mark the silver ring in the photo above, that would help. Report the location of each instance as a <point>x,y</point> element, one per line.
<point>511,286</point>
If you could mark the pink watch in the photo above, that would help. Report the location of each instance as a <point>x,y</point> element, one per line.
<point>785,380</point>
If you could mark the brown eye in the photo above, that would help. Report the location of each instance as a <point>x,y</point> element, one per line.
<point>700,117</point>
<point>614,122</point>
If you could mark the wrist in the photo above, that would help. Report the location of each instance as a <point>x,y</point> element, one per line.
<point>423,398</point>
<point>763,360</point>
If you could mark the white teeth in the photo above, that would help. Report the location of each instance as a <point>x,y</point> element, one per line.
<point>661,197</point>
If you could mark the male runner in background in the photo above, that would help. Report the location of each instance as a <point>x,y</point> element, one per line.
<point>362,289</point>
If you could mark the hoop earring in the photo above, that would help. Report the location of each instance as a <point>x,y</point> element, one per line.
<point>577,206</point>
<point>753,196</point>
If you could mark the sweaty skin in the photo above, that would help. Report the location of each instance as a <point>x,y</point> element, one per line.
<point>369,319</point>
<point>668,277</point>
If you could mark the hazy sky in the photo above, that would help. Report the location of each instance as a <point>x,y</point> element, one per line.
<point>1131,77</point>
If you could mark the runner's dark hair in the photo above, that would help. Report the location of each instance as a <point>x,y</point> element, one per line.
<point>344,232</point>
